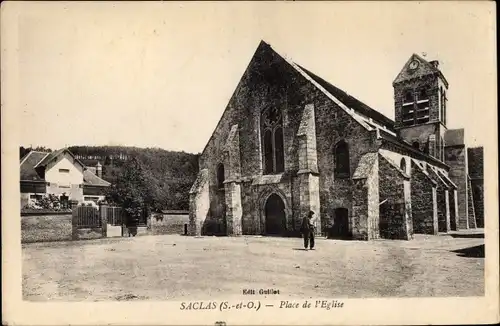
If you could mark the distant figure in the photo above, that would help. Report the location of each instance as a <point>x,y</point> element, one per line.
<point>307,229</point>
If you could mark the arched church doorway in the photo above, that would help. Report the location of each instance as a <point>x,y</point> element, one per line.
<point>340,228</point>
<point>274,211</point>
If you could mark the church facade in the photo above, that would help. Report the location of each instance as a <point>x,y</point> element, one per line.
<point>289,142</point>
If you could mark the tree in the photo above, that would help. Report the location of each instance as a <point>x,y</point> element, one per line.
<point>132,189</point>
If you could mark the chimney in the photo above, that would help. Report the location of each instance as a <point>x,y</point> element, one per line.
<point>98,169</point>
<point>435,64</point>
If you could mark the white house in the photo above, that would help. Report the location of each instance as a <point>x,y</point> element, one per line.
<point>60,173</point>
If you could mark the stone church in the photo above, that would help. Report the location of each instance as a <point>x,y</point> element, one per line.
<point>289,142</point>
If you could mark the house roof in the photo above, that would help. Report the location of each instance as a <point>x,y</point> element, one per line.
<point>28,162</point>
<point>454,137</point>
<point>52,156</point>
<point>90,179</point>
<point>33,164</point>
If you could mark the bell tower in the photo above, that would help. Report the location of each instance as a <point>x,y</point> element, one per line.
<point>420,105</point>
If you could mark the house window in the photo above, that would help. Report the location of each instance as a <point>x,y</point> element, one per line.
<point>220,176</point>
<point>64,170</point>
<point>402,165</point>
<point>342,170</point>
<point>36,197</point>
<point>272,141</point>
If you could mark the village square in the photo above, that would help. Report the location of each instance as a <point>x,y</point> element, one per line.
<point>396,206</point>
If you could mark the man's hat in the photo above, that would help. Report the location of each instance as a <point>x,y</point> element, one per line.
<point>311,213</point>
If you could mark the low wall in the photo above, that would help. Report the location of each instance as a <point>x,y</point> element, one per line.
<point>169,223</point>
<point>136,231</point>
<point>87,234</point>
<point>44,228</point>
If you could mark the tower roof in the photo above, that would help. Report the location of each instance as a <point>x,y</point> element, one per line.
<point>416,67</point>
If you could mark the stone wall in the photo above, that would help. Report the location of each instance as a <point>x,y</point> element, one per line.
<point>87,234</point>
<point>475,158</point>
<point>470,202</point>
<point>413,85</point>
<point>269,81</point>
<point>424,215</point>
<point>453,204</point>
<point>172,223</point>
<point>442,196</point>
<point>333,125</point>
<point>456,158</point>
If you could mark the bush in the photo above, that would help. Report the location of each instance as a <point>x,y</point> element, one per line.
<point>48,201</point>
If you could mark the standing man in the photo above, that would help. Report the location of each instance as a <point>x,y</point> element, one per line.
<point>308,230</point>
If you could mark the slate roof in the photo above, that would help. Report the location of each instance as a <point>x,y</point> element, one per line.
<point>34,163</point>
<point>396,166</point>
<point>421,168</point>
<point>28,173</point>
<point>53,155</point>
<point>454,137</point>
<point>366,116</point>
<point>90,179</point>
<point>352,102</point>
<point>447,179</point>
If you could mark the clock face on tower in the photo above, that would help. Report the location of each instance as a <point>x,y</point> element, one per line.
<point>414,65</point>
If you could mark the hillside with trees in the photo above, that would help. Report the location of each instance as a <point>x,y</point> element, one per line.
<point>158,178</point>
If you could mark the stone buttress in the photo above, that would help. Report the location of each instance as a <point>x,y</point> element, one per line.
<point>308,167</point>
<point>199,203</point>
<point>365,198</point>
<point>232,182</point>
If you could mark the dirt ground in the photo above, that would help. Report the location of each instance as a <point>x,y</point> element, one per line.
<point>174,267</point>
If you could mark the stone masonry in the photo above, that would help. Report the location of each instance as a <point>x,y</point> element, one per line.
<point>289,142</point>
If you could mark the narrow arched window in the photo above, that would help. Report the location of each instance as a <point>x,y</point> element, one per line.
<point>408,96</point>
<point>402,164</point>
<point>441,103</point>
<point>220,176</point>
<point>408,108</point>
<point>442,149</point>
<point>273,153</point>
<point>342,169</point>
<point>278,145</point>
<point>268,151</point>
<point>422,95</point>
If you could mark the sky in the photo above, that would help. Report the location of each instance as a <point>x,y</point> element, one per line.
<point>161,74</point>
